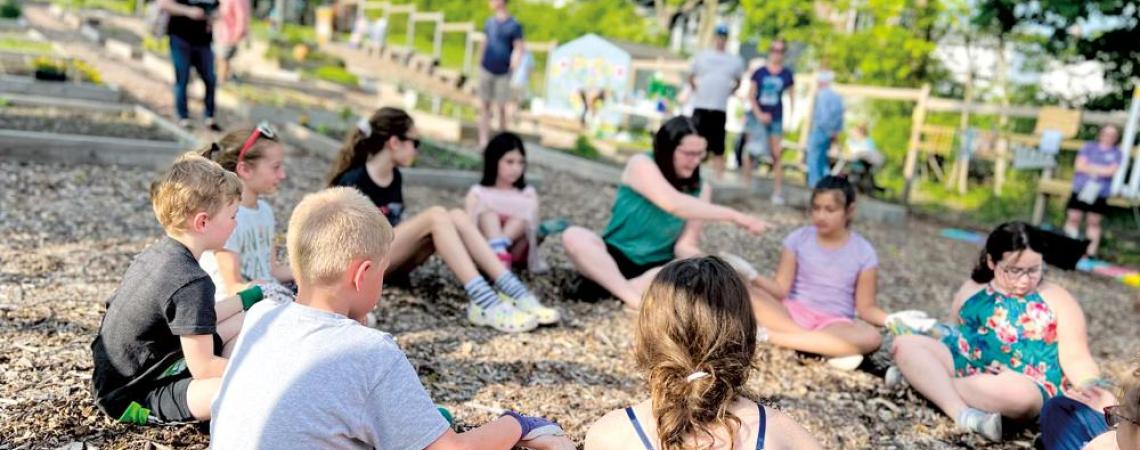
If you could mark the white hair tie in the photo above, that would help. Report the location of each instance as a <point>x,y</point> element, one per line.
<point>696,376</point>
<point>364,127</point>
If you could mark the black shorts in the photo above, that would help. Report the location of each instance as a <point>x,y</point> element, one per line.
<point>710,125</point>
<point>1100,206</point>
<point>586,289</point>
<point>164,401</point>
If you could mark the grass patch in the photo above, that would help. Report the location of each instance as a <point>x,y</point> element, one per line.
<point>334,74</point>
<point>18,44</point>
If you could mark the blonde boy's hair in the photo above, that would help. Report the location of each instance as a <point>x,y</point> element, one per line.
<point>191,185</point>
<point>331,228</point>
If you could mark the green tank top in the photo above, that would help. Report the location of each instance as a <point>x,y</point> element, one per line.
<point>642,231</point>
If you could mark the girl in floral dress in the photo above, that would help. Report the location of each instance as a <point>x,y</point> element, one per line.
<point>1018,341</point>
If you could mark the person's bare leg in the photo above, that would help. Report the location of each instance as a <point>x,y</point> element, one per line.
<point>718,167</point>
<point>1009,393</point>
<point>1093,232</point>
<point>746,170</point>
<point>777,165</point>
<point>504,117</point>
<point>588,253</point>
<point>433,227</point>
<point>484,124</point>
<point>223,70</point>
<point>200,395</point>
<point>514,229</point>
<point>927,366</point>
<point>769,312</point>
<point>842,339</point>
<point>1072,223</point>
<point>490,225</point>
<point>229,328</point>
<point>475,245</point>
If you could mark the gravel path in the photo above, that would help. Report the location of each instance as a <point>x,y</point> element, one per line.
<point>69,233</point>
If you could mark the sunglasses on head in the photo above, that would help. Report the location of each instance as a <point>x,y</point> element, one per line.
<point>263,130</point>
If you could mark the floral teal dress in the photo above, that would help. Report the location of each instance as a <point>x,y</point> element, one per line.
<point>1002,332</point>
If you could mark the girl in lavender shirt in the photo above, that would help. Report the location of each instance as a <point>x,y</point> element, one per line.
<point>826,277</point>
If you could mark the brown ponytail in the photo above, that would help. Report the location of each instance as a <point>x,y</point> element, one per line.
<point>696,316</point>
<point>369,138</point>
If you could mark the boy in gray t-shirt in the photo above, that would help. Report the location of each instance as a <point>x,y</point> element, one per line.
<point>309,375</point>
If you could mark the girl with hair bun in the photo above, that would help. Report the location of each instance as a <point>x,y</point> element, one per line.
<point>695,340</point>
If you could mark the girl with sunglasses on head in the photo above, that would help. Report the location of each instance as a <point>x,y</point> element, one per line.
<point>370,160</point>
<point>505,207</point>
<point>1017,340</point>
<point>695,342</point>
<point>250,255</point>
<point>656,218</point>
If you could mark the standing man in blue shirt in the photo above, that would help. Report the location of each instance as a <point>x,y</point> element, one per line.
<point>502,53</point>
<point>826,123</point>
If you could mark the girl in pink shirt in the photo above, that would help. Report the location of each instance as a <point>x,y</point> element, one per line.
<point>505,207</point>
<point>825,279</point>
<point>233,28</point>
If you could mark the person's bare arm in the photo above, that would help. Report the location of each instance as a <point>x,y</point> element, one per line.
<point>865,305</point>
<point>688,244</point>
<point>753,91</point>
<point>500,434</point>
<point>787,434</point>
<point>968,289</point>
<point>517,53</point>
<point>280,270</point>
<point>781,285</point>
<point>642,175</point>
<point>229,266</point>
<point>174,8</point>
<point>198,350</point>
<point>1072,335</point>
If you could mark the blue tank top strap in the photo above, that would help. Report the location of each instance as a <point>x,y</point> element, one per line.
<point>763,428</point>
<point>637,427</point>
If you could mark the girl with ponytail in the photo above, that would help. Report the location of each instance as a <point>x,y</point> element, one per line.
<point>370,160</point>
<point>1017,340</point>
<point>695,340</point>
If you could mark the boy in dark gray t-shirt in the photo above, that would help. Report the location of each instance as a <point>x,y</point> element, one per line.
<point>308,374</point>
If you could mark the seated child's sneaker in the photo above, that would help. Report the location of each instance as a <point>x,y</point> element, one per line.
<point>846,362</point>
<point>503,317</point>
<point>529,304</point>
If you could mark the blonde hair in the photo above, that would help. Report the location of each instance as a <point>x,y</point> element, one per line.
<point>1130,400</point>
<point>695,317</point>
<point>191,185</point>
<point>331,228</point>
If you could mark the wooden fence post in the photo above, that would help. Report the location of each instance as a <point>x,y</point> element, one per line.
<point>917,120</point>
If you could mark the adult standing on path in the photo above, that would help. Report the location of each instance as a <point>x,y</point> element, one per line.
<point>502,53</point>
<point>191,36</point>
<point>826,123</point>
<point>234,28</point>
<point>768,85</point>
<point>715,76</point>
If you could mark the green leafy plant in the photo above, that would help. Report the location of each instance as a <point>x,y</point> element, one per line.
<point>583,147</point>
<point>334,74</point>
<point>10,10</point>
<point>158,46</point>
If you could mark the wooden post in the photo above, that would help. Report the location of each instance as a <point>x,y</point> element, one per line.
<point>437,43</point>
<point>805,130</point>
<point>1003,120</point>
<point>917,120</point>
<point>960,164</point>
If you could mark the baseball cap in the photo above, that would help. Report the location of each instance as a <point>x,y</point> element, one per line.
<point>722,30</point>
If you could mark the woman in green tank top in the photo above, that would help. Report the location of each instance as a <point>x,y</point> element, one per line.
<point>656,216</point>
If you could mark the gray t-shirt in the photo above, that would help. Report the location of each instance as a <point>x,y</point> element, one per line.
<point>301,378</point>
<point>716,73</point>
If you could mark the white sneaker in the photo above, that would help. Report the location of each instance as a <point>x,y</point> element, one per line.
<point>741,266</point>
<point>847,363</point>
<point>895,378</point>
<point>778,200</point>
<point>503,317</point>
<point>761,334</point>
<point>530,305</point>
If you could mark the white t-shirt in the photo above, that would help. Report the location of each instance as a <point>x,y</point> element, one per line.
<point>302,378</point>
<point>716,74</point>
<point>253,240</point>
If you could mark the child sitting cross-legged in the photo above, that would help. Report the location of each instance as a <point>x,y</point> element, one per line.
<point>307,374</point>
<point>158,357</point>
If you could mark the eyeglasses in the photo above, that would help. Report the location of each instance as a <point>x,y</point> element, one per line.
<point>1030,272</point>
<point>1113,417</point>
<point>776,50</point>
<point>263,130</point>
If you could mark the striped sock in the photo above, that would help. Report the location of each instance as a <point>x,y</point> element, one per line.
<point>481,293</point>
<point>500,245</point>
<point>511,285</point>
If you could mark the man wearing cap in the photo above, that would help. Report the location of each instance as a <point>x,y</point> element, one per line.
<point>826,123</point>
<point>715,76</point>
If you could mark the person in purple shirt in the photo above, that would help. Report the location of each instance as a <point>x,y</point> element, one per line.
<point>825,279</point>
<point>1097,162</point>
<point>767,94</point>
<point>502,53</point>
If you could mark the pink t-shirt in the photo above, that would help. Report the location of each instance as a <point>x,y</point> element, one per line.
<point>234,21</point>
<point>825,278</point>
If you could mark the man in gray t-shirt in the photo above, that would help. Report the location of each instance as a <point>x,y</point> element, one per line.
<point>305,378</point>
<point>715,76</point>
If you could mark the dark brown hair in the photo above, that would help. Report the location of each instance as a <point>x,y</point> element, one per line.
<point>359,144</point>
<point>696,316</point>
<point>225,150</point>
<point>1007,237</point>
<point>665,144</point>
<point>499,146</point>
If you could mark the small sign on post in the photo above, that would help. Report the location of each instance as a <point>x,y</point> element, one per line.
<point>1042,157</point>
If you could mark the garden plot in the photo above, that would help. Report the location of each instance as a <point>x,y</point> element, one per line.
<point>52,129</point>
